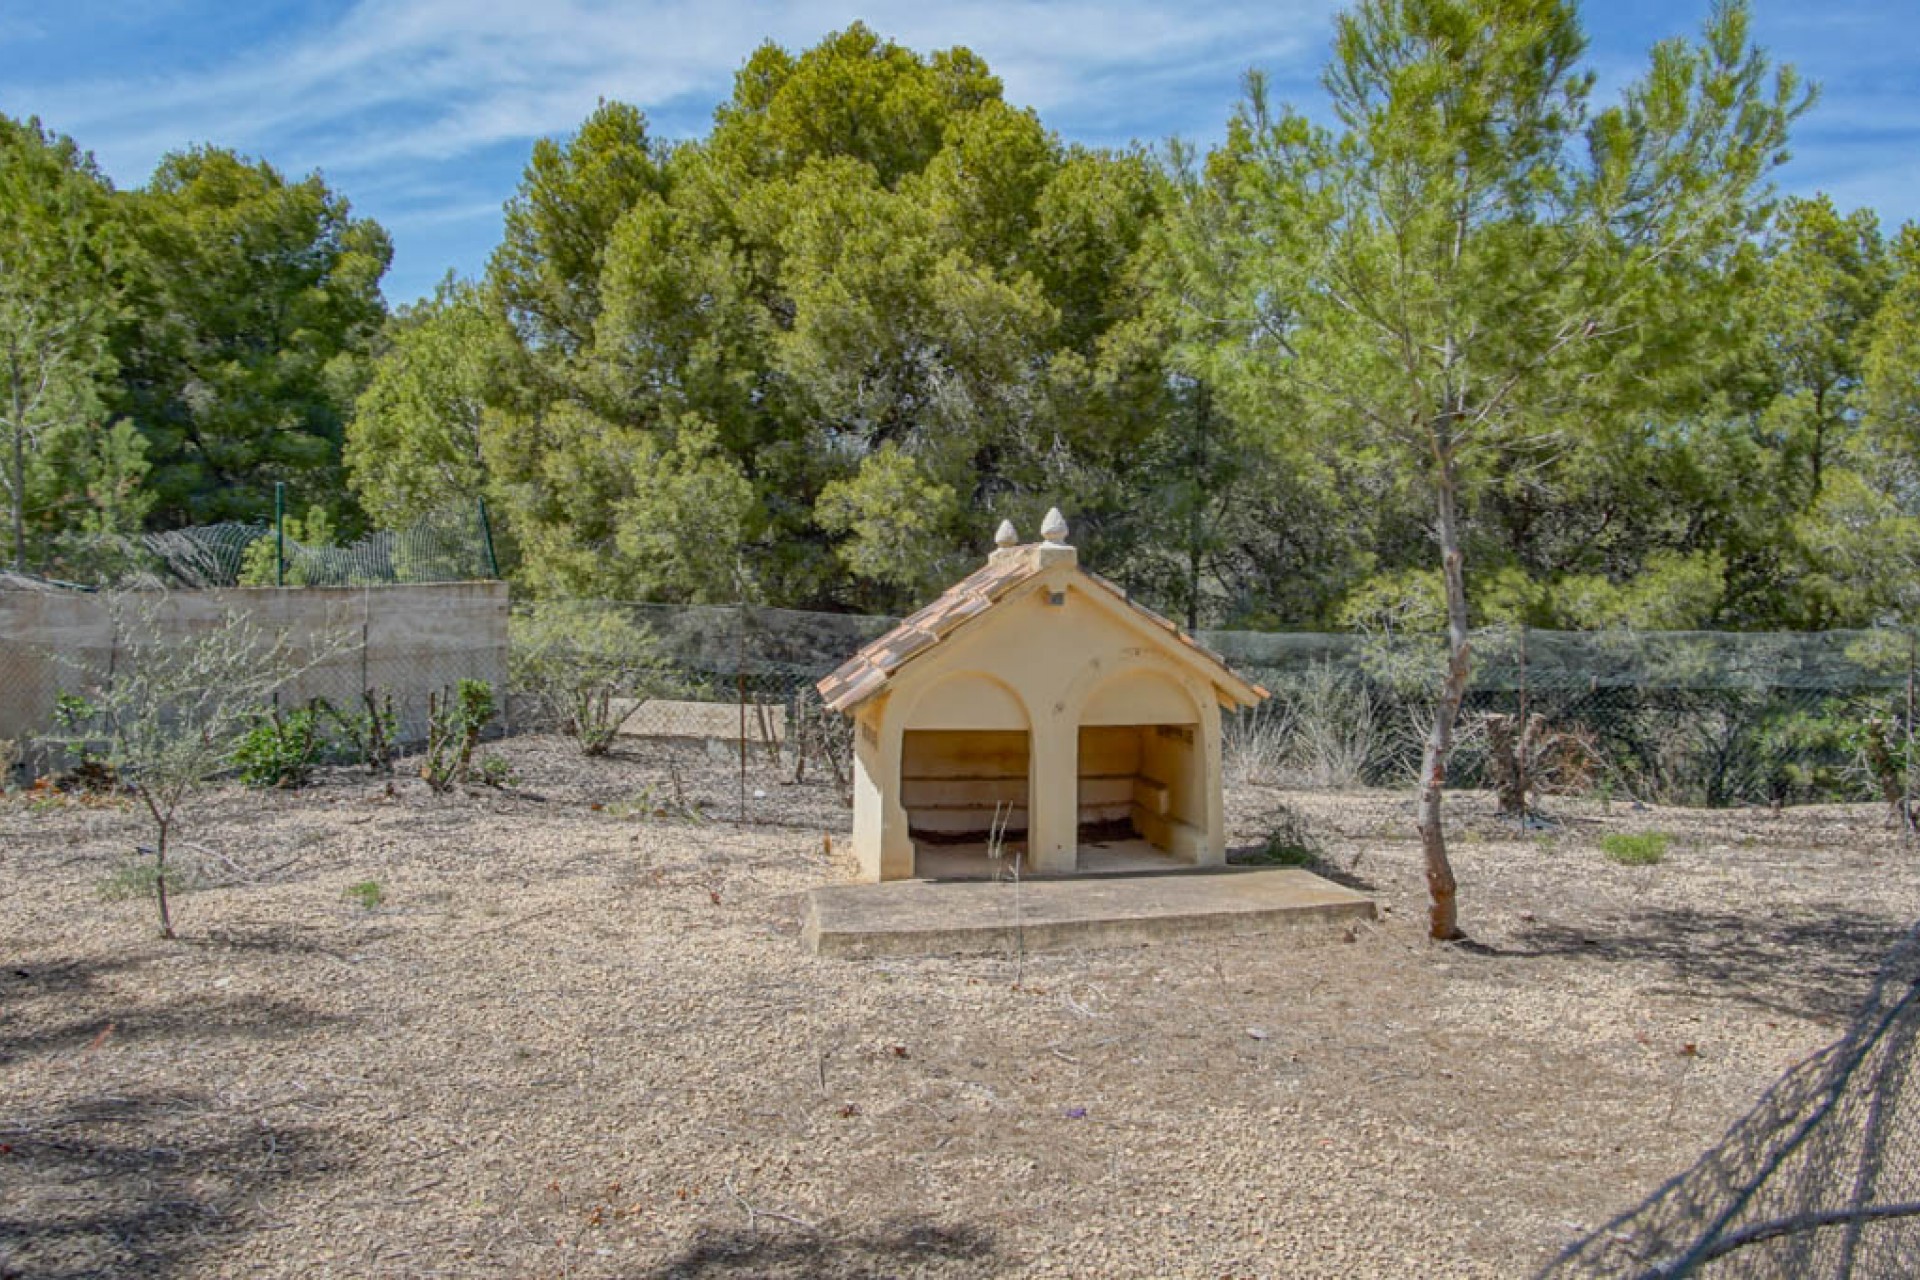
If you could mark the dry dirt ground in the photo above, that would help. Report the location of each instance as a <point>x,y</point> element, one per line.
<point>579,1037</point>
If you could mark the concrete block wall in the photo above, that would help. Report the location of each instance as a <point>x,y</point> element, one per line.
<point>409,641</point>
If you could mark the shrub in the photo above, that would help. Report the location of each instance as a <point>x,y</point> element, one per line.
<point>280,750</point>
<point>580,663</point>
<point>1289,841</point>
<point>1643,849</point>
<point>455,719</point>
<point>496,771</point>
<point>1335,728</point>
<point>1528,757</point>
<point>1258,743</point>
<point>371,736</point>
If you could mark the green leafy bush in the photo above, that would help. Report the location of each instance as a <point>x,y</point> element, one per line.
<point>280,750</point>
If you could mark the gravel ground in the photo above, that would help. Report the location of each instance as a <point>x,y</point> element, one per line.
<point>579,1037</point>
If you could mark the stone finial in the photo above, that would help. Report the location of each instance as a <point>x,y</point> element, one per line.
<point>1054,527</point>
<point>1005,535</point>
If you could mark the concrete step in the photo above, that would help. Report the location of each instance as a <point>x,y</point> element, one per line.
<point>924,917</point>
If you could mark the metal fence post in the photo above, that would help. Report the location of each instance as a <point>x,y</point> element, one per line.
<point>486,540</point>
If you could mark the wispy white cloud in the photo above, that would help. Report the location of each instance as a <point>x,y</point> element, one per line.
<point>411,104</point>
<point>422,110</point>
<point>456,77</point>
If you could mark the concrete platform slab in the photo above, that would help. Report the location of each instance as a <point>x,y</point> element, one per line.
<point>969,861</point>
<point>922,917</point>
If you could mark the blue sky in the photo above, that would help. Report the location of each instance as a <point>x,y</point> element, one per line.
<point>423,111</point>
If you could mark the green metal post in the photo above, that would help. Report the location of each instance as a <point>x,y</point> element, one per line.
<point>486,538</point>
<point>279,533</point>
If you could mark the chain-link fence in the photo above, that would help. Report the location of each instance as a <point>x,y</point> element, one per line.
<point>1822,1178</point>
<point>1692,718</point>
<point>740,678</point>
<point>452,544</point>
<point>360,655</point>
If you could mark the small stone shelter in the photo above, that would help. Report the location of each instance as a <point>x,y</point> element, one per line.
<point>1035,701</point>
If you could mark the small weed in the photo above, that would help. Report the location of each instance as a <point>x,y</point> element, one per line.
<point>495,771</point>
<point>647,803</point>
<point>367,893</point>
<point>1289,843</point>
<point>1548,843</point>
<point>1641,850</point>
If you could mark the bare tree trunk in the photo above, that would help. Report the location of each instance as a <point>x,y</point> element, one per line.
<point>160,874</point>
<point>1443,913</point>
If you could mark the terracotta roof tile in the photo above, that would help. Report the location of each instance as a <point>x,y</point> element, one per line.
<point>862,675</point>
<point>868,671</point>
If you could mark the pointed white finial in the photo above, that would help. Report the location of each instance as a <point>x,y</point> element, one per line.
<point>1005,535</point>
<point>1054,527</point>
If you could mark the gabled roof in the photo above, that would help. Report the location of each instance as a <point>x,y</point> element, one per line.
<point>869,670</point>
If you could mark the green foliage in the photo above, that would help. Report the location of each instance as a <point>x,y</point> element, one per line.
<point>280,750</point>
<point>64,468</point>
<point>895,522</point>
<point>584,665</point>
<point>495,771</point>
<point>253,302</point>
<point>1640,849</point>
<point>366,893</point>
<point>260,563</point>
<point>455,719</point>
<point>813,356</point>
<point>414,439</point>
<point>1886,748</point>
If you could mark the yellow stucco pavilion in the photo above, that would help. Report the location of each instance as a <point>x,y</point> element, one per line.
<point>1038,692</point>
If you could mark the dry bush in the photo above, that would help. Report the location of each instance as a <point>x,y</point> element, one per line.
<point>1258,743</point>
<point>1530,757</point>
<point>1336,728</point>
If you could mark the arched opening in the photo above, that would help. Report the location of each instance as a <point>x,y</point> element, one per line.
<point>966,763</point>
<point>1142,783</point>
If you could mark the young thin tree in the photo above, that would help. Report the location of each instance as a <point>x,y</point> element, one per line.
<point>1432,273</point>
<point>167,718</point>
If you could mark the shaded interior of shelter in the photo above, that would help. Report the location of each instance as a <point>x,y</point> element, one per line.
<point>1138,795</point>
<point>961,789</point>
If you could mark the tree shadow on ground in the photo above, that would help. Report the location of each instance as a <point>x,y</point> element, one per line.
<point>63,979</point>
<point>138,1185</point>
<point>248,1017</point>
<point>890,1249</point>
<point>1816,967</point>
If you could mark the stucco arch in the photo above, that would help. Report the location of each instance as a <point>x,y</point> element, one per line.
<point>966,700</point>
<point>1138,695</point>
<point>1101,680</point>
